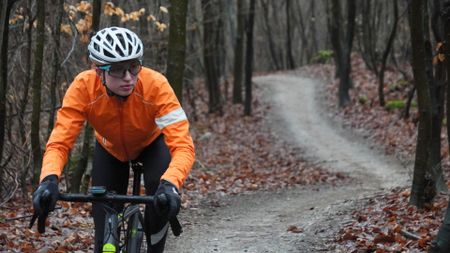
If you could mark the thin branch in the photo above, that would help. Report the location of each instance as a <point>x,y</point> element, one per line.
<point>410,235</point>
<point>74,40</point>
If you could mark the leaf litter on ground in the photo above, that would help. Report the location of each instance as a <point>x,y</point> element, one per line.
<point>386,222</point>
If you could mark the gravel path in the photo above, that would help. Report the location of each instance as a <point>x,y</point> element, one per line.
<point>259,222</point>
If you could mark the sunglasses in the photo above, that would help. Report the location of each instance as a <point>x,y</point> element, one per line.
<point>120,70</point>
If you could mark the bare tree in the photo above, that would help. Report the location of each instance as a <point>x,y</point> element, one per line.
<point>56,62</point>
<point>211,41</point>
<point>342,42</point>
<point>442,243</point>
<point>437,77</point>
<point>77,183</point>
<point>5,9</point>
<point>290,57</point>
<point>371,30</point>
<point>177,46</point>
<point>37,80</point>
<point>420,178</point>
<point>26,82</point>
<point>275,60</point>
<point>239,53</point>
<point>249,59</point>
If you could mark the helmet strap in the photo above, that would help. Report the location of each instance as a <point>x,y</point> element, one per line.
<point>109,91</point>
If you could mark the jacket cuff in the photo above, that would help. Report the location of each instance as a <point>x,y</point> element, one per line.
<point>50,178</point>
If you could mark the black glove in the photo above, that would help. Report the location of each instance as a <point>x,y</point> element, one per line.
<point>44,201</point>
<point>167,200</point>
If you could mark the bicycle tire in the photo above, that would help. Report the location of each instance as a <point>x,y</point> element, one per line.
<point>135,234</point>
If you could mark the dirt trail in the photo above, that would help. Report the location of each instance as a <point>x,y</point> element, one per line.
<point>258,222</point>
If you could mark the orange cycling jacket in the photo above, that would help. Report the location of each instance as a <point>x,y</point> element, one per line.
<point>123,127</point>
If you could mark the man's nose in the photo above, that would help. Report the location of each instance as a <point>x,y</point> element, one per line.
<point>128,75</point>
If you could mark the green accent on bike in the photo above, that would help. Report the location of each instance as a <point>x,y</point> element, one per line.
<point>108,248</point>
<point>133,232</point>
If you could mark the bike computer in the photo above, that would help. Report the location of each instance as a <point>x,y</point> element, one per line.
<point>98,190</point>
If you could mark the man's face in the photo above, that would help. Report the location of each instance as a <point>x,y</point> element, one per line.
<point>121,77</point>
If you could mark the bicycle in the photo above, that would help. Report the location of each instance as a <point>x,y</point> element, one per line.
<point>124,231</point>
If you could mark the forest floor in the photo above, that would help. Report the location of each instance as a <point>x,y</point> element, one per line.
<point>369,149</point>
<point>300,175</point>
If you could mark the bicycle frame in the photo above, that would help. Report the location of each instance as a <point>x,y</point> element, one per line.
<point>132,215</point>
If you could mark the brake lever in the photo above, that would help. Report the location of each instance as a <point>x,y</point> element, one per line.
<point>42,217</point>
<point>33,219</point>
<point>174,222</point>
<point>176,226</point>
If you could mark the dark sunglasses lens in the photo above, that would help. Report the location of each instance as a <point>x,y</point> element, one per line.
<point>120,71</point>
<point>135,69</point>
<point>117,72</point>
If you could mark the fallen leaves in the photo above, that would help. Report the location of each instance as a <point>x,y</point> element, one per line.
<point>294,229</point>
<point>237,154</point>
<point>391,223</point>
<point>69,229</point>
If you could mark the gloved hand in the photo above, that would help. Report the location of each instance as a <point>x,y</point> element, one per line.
<point>44,200</point>
<point>168,193</point>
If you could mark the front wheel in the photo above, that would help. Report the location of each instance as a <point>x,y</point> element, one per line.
<point>135,234</point>
<point>111,238</point>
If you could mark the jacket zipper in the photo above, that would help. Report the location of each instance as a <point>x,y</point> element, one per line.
<point>121,129</point>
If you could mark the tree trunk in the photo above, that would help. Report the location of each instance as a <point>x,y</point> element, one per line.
<point>56,64</point>
<point>26,84</point>
<point>437,92</point>
<point>37,80</point>
<point>305,44</point>
<point>96,12</point>
<point>423,94</point>
<point>115,19</point>
<point>367,39</point>
<point>5,9</point>
<point>314,42</point>
<point>442,242</point>
<point>249,60</point>
<point>239,54</point>
<point>177,45</point>
<point>274,57</point>
<point>386,52</point>
<point>143,22</point>
<point>80,170</point>
<point>290,57</point>
<point>349,35</point>
<point>342,43</point>
<point>210,40</point>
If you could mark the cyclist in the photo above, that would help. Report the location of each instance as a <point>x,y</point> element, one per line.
<point>136,117</point>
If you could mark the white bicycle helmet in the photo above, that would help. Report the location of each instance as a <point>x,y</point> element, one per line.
<point>115,44</point>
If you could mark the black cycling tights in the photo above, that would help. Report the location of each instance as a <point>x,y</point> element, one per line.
<point>113,174</point>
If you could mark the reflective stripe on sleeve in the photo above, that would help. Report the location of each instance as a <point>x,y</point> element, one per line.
<point>171,118</point>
